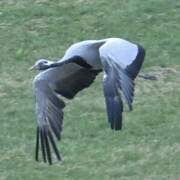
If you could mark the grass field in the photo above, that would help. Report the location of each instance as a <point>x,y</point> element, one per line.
<point>148,147</point>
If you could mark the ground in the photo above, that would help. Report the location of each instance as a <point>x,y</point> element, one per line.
<point>148,147</point>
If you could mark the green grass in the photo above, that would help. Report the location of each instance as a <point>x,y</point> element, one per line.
<point>148,147</point>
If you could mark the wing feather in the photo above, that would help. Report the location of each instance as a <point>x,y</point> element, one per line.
<point>121,61</point>
<point>67,81</point>
<point>113,100</point>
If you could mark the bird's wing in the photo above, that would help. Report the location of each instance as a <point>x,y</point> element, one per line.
<point>121,61</point>
<point>66,80</point>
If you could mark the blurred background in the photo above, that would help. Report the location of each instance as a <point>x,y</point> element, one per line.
<point>148,147</point>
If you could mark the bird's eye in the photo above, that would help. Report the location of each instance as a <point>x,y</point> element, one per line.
<point>45,62</point>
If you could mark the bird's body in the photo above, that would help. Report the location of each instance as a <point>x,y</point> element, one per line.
<point>120,61</point>
<point>87,50</point>
<point>90,51</point>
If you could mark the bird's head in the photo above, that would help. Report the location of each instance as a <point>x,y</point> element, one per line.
<point>41,64</point>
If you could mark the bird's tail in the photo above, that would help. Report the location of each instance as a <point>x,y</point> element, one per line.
<point>147,76</point>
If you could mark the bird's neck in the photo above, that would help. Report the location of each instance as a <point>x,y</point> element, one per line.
<point>57,64</point>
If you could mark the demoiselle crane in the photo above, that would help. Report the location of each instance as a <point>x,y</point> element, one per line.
<point>120,61</point>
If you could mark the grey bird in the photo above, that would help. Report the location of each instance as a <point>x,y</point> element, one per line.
<point>118,59</point>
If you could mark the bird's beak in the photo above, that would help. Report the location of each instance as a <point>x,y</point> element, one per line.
<point>32,67</point>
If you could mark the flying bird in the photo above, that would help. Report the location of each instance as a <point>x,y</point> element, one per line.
<point>118,59</point>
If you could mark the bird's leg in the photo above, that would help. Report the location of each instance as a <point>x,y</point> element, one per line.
<point>147,76</point>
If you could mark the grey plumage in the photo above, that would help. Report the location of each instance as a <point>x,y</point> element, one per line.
<point>47,86</point>
<point>120,62</point>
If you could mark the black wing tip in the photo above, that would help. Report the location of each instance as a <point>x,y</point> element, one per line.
<point>48,150</point>
<point>43,145</point>
<point>36,159</point>
<point>47,142</point>
<point>37,145</point>
<point>117,125</point>
<point>116,128</point>
<point>114,111</point>
<point>130,107</point>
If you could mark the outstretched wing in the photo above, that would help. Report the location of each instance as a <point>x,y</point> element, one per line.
<point>121,61</point>
<point>66,80</point>
<point>49,119</point>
